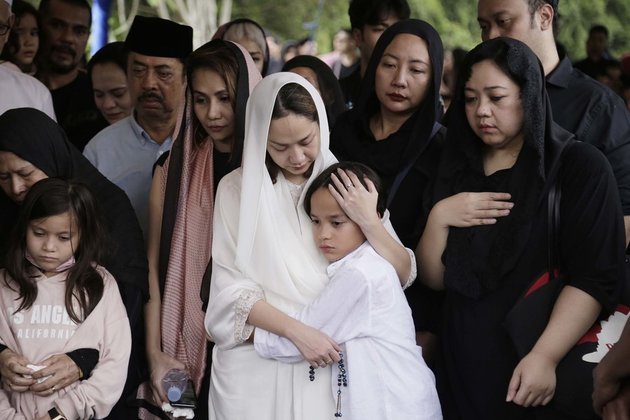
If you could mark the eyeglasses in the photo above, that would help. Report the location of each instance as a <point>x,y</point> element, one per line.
<point>4,29</point>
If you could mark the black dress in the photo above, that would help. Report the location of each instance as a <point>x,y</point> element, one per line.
<point>406,160</point>
<point>476,376</point>
<point>488,268</point>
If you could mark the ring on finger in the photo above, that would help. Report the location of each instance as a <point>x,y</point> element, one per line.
<point>52,389</point>
<point>349,185</point>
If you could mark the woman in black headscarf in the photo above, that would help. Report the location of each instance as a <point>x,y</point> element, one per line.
<point>323,79</point>
<point>33,147</point>
<point>487,239</point>
<point>394,130</point>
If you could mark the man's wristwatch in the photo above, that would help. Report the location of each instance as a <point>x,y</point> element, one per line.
<point>55,415</point>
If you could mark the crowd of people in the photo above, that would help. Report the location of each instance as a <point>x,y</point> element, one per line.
<point>387,231</point>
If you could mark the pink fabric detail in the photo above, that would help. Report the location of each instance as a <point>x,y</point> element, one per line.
<point>253,75</point>
<point>183,330</point>
<point>182,319</point>
<point>60,269</point>
<point>182,326</point>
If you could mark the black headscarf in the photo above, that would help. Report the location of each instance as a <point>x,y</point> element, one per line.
<point>328,84</point>
<point>415,134</point>
<point>34,137</point>
<point>478,258</point>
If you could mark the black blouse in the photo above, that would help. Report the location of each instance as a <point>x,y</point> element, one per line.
<point>474,379</point>
<point>416,146</point>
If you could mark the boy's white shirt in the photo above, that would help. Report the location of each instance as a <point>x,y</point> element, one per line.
<point>364,308</point>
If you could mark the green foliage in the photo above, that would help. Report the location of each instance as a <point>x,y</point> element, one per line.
<point>455,20</point>
<point>577,16</point>
<point>287,18</point>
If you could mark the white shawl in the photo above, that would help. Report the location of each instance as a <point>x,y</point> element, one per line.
<point>262,242</point>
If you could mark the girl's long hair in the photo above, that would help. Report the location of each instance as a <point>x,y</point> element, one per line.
<point>84,285</point>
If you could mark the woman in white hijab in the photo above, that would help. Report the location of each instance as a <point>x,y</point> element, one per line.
<point>265,262</point>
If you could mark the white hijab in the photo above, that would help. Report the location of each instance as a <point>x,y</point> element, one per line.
<point>275,246</point>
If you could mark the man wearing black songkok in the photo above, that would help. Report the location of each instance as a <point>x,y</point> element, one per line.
<point>126,151</point>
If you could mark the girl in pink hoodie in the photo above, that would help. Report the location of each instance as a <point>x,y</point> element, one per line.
<point>55,299</point>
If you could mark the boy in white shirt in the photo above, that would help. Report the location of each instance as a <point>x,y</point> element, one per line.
<point>365,310</point>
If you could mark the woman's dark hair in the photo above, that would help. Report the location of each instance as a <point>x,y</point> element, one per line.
<point>19,9</point>
<point>114,52</point>
<point>511,60</point>
<point>84,285</point>
<point>292,99</point>
<point>362,172</point>
<point>219,58</point>
<point>329,88</point>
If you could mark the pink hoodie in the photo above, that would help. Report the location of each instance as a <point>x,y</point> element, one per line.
<point>45,329</point>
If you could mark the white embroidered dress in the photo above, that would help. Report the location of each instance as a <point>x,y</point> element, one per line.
<point>263,249</point>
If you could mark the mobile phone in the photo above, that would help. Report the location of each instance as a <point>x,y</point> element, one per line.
<point>188,399</point>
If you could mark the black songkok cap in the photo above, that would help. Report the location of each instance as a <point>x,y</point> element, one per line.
<point>159,38</point>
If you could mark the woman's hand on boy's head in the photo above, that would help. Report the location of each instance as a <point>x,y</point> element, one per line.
<point>359,203</point>
<point>12,370</point>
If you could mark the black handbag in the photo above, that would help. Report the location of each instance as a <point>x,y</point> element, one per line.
<point>529,317</point>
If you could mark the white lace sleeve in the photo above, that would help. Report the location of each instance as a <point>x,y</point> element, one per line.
<point>413,273</point>
<point>244,304</point>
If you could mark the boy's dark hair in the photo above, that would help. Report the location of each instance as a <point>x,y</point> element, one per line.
<point>362,171</point>
<point>84,285</point>
<point>372,12</point>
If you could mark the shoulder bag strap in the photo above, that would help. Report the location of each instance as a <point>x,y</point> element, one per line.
<point>405,170</point>
<point>553,215</point>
